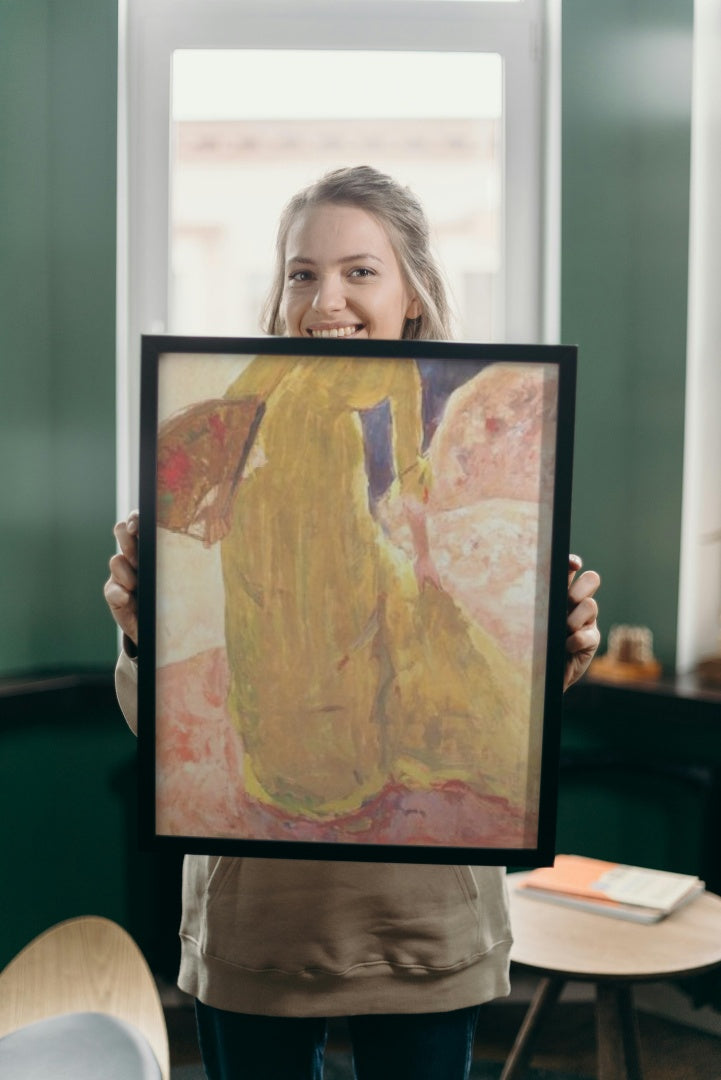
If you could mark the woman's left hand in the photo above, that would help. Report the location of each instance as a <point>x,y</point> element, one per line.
<point>583,635</point>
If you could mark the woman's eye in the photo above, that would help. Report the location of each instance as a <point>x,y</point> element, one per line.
<point>362,272</point>
<point>300,276</point>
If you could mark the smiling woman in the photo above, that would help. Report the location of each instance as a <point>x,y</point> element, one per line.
<point>353,259</point>
<point>331,292</point>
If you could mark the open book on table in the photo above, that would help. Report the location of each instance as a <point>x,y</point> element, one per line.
<point>609,888</point>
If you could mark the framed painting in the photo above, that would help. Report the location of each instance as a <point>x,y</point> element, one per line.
<point>352,597</point>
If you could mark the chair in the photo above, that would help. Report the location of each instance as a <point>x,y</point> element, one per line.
<point>80,1002</point>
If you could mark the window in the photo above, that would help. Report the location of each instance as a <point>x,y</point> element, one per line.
<point>236,159</point>
<point>227,107</point>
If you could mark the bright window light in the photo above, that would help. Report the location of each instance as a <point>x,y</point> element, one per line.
<point>215,84</point>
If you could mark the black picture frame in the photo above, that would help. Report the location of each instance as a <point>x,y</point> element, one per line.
<point>290,796</point>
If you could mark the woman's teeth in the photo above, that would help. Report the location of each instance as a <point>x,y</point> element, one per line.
<point>337,331</point>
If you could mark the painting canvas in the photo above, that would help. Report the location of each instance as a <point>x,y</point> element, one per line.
<point>352,597</point>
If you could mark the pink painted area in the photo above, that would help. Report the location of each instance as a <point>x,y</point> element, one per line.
<point>199,757</point>
<point>200,783</point>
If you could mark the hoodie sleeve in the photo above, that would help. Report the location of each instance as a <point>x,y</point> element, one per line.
<point>126,688</point>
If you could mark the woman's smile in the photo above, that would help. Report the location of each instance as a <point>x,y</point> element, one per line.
<point>335,331</point>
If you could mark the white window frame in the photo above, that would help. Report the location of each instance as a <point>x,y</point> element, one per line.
<point>699,597</point>
<point>526,34</point>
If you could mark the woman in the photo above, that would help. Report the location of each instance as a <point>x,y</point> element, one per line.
<point>270,949</point>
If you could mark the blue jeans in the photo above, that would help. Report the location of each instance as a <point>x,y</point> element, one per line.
<point>415,1046</point>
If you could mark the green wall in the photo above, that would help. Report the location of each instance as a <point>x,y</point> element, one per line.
<point>625,200</point>
<point>69,807</point>
<point>58,72</point>
<point>67,787</point>
<point>67,774</point>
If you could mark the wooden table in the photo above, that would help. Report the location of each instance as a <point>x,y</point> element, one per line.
<point>563,944</point>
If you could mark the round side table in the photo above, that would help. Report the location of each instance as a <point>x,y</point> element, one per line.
<point>563,944</point>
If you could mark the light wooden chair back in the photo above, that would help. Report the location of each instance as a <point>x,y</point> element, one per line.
<point>87,964</point>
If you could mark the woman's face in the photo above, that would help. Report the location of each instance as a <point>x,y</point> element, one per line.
<point>342,277</point>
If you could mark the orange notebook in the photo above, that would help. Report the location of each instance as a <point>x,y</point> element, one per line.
<point>631,892</point>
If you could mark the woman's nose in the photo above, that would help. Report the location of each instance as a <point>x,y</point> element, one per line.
<point>329,295</point>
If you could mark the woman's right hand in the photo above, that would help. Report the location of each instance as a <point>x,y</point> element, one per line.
<point>121,587</point>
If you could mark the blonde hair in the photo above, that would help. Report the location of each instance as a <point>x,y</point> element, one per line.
<point>403,217</point>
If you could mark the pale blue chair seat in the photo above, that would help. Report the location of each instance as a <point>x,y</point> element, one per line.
<point>78,1046</point>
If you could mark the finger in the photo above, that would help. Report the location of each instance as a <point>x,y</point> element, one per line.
<point>126,534</point>
<point>123,608</point>
<point>585,585</point>
<point>127,542</point>
<point>118,598</point>
<point>584,613</point>
<point>575,562</point>
<point>583,641</point>
<point>123,573</point>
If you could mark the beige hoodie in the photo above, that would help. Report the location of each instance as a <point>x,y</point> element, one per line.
<point>289,937</point>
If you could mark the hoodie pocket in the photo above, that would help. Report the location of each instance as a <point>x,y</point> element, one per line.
<point>469,886</point>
